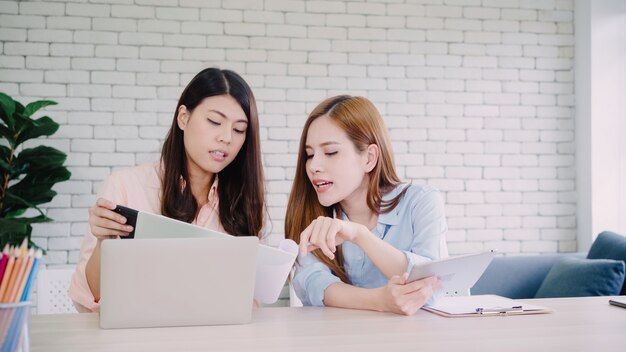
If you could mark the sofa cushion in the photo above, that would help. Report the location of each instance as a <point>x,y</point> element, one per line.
<point>516,277</point>
<point>574,277</point>
<point>609,245</point>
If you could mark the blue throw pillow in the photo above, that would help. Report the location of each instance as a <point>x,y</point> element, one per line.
<point>609,245</point>
<point>576,277</point>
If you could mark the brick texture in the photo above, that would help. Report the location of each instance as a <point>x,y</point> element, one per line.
<point>478,100</point>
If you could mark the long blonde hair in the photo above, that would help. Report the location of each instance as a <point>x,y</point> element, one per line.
<point>362,122</point>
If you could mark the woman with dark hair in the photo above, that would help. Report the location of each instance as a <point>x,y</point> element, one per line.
<point>360,229</point>
<point>210,174</point>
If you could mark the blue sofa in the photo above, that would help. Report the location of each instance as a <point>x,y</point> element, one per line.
<point>521,277</point>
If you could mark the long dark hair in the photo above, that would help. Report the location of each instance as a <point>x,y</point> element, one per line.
<point>362,122</point>
<point>240,186</point>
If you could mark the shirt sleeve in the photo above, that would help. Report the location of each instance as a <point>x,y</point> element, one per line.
<point>429,229</point>
<point>311,279</point>
<point>79,291</point>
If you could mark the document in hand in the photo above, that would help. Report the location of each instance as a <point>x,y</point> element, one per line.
<point>272,266</point>
<point>482,305</point>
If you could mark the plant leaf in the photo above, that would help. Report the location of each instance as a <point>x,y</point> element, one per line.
<point>14,214</point>
<point>14,205</point>
<point>7,134</point>
<point>7,108</point>
<point>4,166</point>
<point>12,226</point>
<point>36,105</point>
<point>44,126</point>
<point>35,159</point>
<point>5,154</point>
<point>37,187</point>
<point>35,219</point>
<point>14,231</point>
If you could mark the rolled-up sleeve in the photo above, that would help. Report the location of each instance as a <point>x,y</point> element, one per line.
<point>311,279</point>
<point>429,229</point>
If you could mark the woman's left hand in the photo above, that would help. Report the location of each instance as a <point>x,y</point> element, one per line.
<point>326,234</point>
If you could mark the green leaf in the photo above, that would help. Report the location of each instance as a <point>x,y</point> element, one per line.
<point>36,105</point>
<point>35,159</point>
<point>44,126</point>
<point>36,187</point>
<point>35,220</point>
<point>14,205</point>
<point>5,154</point>
<point>4,166</point>
<point>13,231</point>
<point>7,134</point>
<point>7,108</point>
<point>12,226</point>
<point>14,213</point>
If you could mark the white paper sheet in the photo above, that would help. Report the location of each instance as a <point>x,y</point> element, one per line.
<point>468,304</point>
<point>272,266</point>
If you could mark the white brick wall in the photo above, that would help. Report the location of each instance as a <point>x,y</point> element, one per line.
<point>478,96</point>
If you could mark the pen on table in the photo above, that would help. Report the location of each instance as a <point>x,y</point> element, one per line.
<point>497,310</point>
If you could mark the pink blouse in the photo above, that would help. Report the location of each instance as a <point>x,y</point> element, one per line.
<point>138,188</point>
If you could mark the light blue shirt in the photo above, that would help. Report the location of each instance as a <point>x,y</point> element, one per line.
<point>416,226</point>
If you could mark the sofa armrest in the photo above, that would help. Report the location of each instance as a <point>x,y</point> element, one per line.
<point>517,277</point>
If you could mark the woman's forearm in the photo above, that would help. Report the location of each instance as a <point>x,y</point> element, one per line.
<point>342,295</point>
<point>92,271</point>
<point>388,259</point>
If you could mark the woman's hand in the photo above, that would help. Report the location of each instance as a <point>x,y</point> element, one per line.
<point>327,233</point>
<point>105,223</point>
<point>401,297</point>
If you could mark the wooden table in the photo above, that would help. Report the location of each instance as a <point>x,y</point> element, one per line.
<point>578,324</point>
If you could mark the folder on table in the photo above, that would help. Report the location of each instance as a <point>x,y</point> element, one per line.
<point>482,305</point>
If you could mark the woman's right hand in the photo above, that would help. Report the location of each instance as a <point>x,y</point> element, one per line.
<point>105,223</point>
<point>404,298</point>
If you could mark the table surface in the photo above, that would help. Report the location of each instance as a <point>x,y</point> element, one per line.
<point>577,324</point>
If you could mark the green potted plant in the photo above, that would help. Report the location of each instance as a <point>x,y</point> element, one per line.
<point>27,175</point>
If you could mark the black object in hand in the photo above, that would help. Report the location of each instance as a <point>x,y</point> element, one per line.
<point>131,218</point>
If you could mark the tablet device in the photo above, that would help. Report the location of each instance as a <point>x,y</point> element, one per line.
<point>455,273</point>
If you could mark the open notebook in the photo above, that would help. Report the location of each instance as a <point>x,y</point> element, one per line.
<point>482,305</point>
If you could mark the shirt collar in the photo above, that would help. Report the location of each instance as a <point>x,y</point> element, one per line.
<point>392,217</point>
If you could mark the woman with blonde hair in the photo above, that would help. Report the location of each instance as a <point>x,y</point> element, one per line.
<point>359,228</point>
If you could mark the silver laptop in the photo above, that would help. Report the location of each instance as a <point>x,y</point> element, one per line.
<point>177,282</point>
